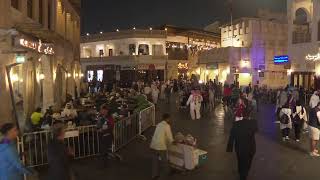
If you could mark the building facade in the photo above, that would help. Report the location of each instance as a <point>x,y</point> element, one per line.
<point>249,49</point>
<point>303,40</point>
<point>39,52</point>
<point>161,53</point>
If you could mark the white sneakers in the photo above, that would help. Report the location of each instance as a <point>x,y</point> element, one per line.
<point>287,138</point>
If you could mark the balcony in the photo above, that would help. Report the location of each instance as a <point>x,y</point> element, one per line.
<point>126,59</point>
<point>301,37</point>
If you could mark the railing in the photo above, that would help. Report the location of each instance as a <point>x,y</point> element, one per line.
<point>84,140</point>
<point>125,131</point>
<point>147,119</point>
<point>125,58</point>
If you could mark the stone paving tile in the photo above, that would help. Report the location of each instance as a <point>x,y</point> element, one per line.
<point>274,160</point>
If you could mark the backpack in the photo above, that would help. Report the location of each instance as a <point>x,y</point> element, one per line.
<point>284,119</point>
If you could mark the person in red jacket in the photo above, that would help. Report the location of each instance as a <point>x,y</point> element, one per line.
<point>227,95</point>
<point>239,110</point>
<point>105,128</point>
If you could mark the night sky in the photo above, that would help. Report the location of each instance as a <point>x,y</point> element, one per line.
<point>109,15</point>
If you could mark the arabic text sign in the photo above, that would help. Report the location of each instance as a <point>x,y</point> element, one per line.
<point>281,59</point>
<point>313,57</point>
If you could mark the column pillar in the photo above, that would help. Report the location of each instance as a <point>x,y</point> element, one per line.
<point>47,82</point>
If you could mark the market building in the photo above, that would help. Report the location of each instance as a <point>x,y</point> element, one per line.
<point>253,50</point>
<point>304,37</point>
<point>156,53</point>
<point>39,51</point>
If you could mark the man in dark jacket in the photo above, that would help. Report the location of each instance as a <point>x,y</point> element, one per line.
<point>58,156</point>
<point>242,138</point>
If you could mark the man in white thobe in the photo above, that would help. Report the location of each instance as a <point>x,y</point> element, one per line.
<point>195,100</point>
<point>155,94</point>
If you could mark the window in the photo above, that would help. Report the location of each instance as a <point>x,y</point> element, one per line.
<point>157,50</point>
<point>100,75</point>
<point>143,49</point>
<point>110,52</point>
<point>29,8</point>
<point>132,49</point>
<point>90,75</point>
<point>40,12</point>
<point>101,53</point>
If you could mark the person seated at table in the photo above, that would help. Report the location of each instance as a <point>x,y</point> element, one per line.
<point>69,111</point>
<point>47,118</point>
<point>36,118</point>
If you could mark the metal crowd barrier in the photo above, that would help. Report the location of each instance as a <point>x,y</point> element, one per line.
<point>147,119</point>
<point>84,140</point>
<point>125,131</point>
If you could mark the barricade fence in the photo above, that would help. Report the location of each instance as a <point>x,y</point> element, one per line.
<point>125,131</point>
<point>84,141</point>
<point>147,118</point>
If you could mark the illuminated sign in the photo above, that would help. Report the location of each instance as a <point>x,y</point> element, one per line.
<point>43,48</point>
<point>281,59</point>
<point>313,57</point>
<point>20,59</point>
<point>212,66</point>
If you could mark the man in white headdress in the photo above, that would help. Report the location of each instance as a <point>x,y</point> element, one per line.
<point>314,100</point>
<point>195,100</point>
<point>155,94</point>
<point>69,111</point>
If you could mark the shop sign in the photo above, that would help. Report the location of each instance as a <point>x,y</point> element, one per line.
<point>20,59</point>
<point>213,66</point>
<point>43,48</point>
<point>315,57</point>
<point>151,66</point>
<point>127,68</point>
<point>281,59</point>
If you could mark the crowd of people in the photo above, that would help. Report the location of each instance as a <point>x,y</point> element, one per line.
<point>294,110</point>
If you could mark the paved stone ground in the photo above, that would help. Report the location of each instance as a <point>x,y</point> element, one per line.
<point>274,159</point>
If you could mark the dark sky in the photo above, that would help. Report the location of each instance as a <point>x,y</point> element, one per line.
<point>108,15</point>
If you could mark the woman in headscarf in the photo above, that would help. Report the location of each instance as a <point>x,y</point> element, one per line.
<point>242,137</point>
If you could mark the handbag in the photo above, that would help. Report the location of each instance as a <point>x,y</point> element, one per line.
<point>296,119</point>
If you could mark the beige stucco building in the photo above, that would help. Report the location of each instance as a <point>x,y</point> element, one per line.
<point>248,49</point>
<point>156,53</point>
<point>43,37</point>
<point>303,41</point>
